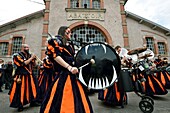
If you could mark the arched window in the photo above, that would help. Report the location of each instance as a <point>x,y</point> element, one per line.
<point>96,4</point>
<point>83,34</point>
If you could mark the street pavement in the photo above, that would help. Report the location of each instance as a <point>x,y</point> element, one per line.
<point>161,104</point>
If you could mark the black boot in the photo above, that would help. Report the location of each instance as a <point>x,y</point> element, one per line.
<point>20,108</point>
<point>6,87</point>
<point>34,104</point>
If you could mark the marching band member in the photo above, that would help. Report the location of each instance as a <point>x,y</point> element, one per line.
<point>158,61</point>
<point>24,89</point>
<point>152,86</point>
<point>162,73</point>
<point>46,77</point>
<point>66,94</point>
<point>125,61</point>
<point>113,95</point>
<point>143,80</point>
<point>165,62</point>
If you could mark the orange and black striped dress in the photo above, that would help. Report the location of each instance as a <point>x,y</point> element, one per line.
<point>150,84</point>
<point>27,90</point>
<point>46,77</point>
<point>66,95</point>
<point>113,96</point>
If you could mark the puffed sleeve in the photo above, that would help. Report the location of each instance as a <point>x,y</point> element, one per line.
<point>53,48</point>
<point>47,63</point>
<point>18,61</point>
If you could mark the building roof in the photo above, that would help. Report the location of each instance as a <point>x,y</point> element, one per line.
<point>22,20</point>
<point>148,23</point>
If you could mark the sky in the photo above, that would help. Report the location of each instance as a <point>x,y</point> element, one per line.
<point>157,11</point>
<point>13,9</point>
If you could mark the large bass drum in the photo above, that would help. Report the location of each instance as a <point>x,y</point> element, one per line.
<point>104,71</point>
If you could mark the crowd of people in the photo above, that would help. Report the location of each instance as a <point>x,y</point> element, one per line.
<point>56,88</point>
<point>148,76</point>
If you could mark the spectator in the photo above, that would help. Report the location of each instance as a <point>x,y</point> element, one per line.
<point>8,74</point>
<point>1,73</point>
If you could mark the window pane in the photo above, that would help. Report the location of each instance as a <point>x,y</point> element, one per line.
<point>73,3</point>
<point>85,3</point>
<point>4,48</point>
<point>150,43</point>
<point>16,44</point>
<point>161,48</point>
<point>96,4</point>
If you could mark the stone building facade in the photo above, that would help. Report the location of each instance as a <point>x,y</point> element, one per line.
<point>90,20</point>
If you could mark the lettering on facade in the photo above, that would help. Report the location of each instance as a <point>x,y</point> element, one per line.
<point>85,15</point>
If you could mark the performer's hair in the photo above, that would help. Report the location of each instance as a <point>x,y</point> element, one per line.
<point>62,30</point>
<point>117,47</point>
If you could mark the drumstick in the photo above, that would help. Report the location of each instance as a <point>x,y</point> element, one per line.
<point>39,59</point>
<point>92,61</point>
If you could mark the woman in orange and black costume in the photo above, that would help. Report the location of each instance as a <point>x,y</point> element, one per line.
<point>24,89</point>
<point>45,77</point>
<point>66,95</point>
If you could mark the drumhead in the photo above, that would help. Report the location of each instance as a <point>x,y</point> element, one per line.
<point>104,71</point>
